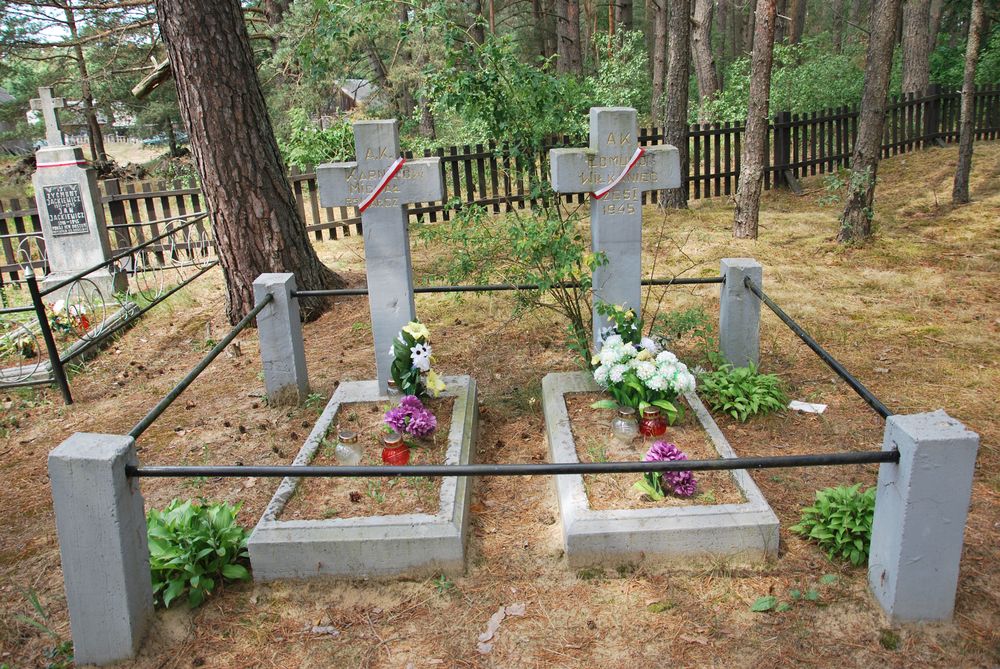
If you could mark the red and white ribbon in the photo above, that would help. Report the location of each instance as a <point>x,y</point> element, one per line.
<point>639,151</point>
<point>66,164</point>
<point>386,178</point>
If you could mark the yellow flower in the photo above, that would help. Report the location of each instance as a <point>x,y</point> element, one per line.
<point>630,314</point>
<point>596,359</point>
<point>644,355</point>
<point>417,330</point>
<point>435,386</point>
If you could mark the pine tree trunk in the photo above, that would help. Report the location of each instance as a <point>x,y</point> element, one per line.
<point>701,54</point>
<point>857,7</point>
<point>960,192</point>
<point>623,14</point>
<point>916,46</point>
<point>659,58</point>
<point>936,12</point>
<point>256,224</point>
<point>755,135</point>
<point>797,27</point>
<point>477,29</point>
<point>837,24</point>
<point>856,222</point>
<point>94,134</point>
<point>781,21</point>
<point>568,37</point>
<point>675,122</point>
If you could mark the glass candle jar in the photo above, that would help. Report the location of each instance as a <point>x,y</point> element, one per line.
<point>652,423</point>
<point>394,451</point>
<point>394,394</point>
<point>348,450</point>
<point>623,426</point>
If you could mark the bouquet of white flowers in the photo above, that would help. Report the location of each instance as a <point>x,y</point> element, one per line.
<point>411,365</point>
<point>641,375</point>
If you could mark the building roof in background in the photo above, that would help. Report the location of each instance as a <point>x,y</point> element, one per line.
<point>5,97</point>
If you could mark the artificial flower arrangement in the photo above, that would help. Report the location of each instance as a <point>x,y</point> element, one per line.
<point>411,364</point>
<point>67,319</point>
<point>635,369</point>
<point>680,483</point>
<point>411,418</point>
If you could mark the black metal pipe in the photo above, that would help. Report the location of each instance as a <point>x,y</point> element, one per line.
<point>58,372</point>
<point>16,310</point>
<point>118,256</point>
<point>841,371</point>
<point>497,287</point>
<point>162,405</point>
<point>105,335</point>
<point>546,469</point>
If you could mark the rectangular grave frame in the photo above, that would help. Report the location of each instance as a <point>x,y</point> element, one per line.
<point>747,531</point>
<point>414,545</point>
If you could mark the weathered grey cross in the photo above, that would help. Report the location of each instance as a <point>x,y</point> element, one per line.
<point>616,173</point>
<point>48,105</point>
<point>381,188</point>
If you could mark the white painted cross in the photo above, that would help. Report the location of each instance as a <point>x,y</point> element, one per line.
<point>615,171</point>
<point>48,105</point>
<point>380,184</point>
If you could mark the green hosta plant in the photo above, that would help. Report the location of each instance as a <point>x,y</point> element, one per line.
<point>840,521</point>
<point>192,548</point>
<point>742,392</point>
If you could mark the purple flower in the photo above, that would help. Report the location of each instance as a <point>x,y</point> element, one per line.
<point>411,417</point>
<point>681,482</point>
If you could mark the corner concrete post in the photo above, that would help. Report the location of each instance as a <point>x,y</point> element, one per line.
<point>102,542</point>
<point>282,350</point>
<point>920,510</point>
<point>739,312</point>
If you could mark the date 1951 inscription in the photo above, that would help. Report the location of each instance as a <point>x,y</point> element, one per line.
<point>64,204</point>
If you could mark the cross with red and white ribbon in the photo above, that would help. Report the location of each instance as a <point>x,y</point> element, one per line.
<point>383,182</point>
<point>601,192</point>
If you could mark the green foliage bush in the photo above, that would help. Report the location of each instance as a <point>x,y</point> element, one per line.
<point>742,392</point>
<point>840,521</point>
<point>191,546</point>
<point>308,145</point>
<point>622,78</point>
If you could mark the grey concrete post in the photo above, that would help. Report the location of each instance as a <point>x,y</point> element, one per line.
<point>920,509</point>
<point>282,349</point>
<point>739,312</point>
<point>102,542</point>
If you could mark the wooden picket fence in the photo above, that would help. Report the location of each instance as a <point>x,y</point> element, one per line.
<point>491,175</point>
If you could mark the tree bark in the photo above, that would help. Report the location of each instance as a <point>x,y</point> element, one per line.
<point>960,191</point>
<point>568,37</point>
<point>797,26</point>
<point>781,22</point>
<point>916,46</point>
<point>675,122</point>
<point>936,12</point>
<point>659,58</point>
<point>837,24</point>
<point>254,217</point>
<point>856,222</point>
<point>857,7</point>
<point>701,53</point>
<point>94,134</point>
<point>274,11</point>
<point>623,14</point>
<point>478,28</point>
<point>755,135</point>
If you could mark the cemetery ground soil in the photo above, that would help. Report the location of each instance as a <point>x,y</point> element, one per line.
<point>913,314</point>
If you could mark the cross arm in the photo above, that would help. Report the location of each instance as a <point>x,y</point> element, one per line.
<point>347,184</point>
<point>570,170</point>
<point>333,181</point>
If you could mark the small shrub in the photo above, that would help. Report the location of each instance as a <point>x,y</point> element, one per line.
<point>193,546</point>
<point>743,392</point>
<point>840,521</point>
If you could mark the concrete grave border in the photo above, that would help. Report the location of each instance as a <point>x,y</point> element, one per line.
<point>613,537</point>
<point>415,544</point>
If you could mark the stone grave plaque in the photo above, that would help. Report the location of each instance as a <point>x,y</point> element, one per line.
<point>64,204</point>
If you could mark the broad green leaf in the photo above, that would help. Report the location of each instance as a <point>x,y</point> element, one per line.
<point>764,604</point>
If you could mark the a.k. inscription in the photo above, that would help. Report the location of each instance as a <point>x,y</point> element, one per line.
<point>64,204</point>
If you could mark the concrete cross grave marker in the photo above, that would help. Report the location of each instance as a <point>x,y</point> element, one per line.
<point>47,104</point>
<point>615,170</point>
<point>380,184</point>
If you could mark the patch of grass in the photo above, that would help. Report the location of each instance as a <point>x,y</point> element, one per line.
<point>889,639</point>
<point>591,574</point>
<point>662,606</point>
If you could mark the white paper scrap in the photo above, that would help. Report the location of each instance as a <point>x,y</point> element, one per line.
<point>806,407</point>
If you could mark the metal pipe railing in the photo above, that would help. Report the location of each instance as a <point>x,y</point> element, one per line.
<point>499,287</point>
<point>545,469</point>
<point>832,362</point>
<point>167,400</point>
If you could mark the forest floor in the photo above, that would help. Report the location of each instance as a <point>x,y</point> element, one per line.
<point>913,314</point>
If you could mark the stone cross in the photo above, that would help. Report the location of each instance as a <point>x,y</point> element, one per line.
<point>48,106</point>
<point>615,172</point>
<point>381,186</point>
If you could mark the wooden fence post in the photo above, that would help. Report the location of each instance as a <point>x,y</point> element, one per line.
<point>112,188</point>
<point>783,175</point>
<point>932,117</point>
